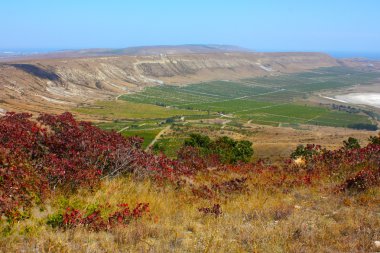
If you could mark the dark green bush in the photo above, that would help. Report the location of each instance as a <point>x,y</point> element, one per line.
<point>228,150</point>
<point>351,143</point>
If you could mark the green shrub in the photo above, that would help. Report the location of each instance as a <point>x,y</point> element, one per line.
<point>228,150</point>
<point>351,143</point>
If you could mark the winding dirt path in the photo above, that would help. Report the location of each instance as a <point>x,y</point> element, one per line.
<point>163,131</point>
<point>123,129</point>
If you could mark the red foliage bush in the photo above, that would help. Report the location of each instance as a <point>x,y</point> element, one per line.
<point>203,192</point>
<point>214,210</point>
<point>358,167</point>
<point>58,151</point>
<point>361,181</point>
<point>74,218</point>
<point>20,184</point>
<point>348,160</point>
<point>125,215</point>
<point>71,218</point>
<point>191,158</point>
<point>231,186</point>
<point>78,150</point>
<point>226,188</point>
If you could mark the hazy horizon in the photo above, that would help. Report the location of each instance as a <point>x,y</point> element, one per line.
<point>323,26</point>
<point>375,55</point>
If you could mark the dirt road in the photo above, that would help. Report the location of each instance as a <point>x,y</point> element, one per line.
<point>163,131</point>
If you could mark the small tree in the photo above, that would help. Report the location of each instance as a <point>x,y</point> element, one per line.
<point>227,149</point>
<point>198,140</point>
<point>306,152</point>
<point>374,139</point>
<point>351,143</point>
<point>242,151</point>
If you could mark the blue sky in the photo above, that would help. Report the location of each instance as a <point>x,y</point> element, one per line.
<point>265,25</point>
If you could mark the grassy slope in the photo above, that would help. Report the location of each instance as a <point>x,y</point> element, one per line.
<point>300,220</point>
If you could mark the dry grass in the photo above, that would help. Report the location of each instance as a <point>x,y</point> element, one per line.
<point>306,219</point>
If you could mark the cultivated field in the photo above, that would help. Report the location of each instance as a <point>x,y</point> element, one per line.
<point>270,100</point>
<point>240,108</point>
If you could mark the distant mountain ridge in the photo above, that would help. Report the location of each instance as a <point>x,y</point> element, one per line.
<point>131,51</point>
<point>179,49</point>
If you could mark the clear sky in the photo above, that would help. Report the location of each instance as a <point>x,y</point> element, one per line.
<point>271,25</point>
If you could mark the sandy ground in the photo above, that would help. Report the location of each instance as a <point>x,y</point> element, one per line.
<point>371,99</point>
<point>366,96</point>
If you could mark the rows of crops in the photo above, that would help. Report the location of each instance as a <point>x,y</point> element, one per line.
<point>266,100</point>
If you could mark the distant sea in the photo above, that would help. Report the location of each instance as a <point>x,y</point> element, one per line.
<point>5,52</point>
<point>367,55</point>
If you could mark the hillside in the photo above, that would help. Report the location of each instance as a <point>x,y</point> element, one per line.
<point>58,84</point>
<point>67,186</point>
<point>233,148</point>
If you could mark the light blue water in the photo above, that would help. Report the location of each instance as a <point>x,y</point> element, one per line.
<point>367,55</point>
<point>10,52</point>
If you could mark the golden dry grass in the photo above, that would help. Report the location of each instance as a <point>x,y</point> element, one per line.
<point>306,219</point>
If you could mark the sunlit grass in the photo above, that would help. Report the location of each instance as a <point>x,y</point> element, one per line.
<point>306,218</point>
<point>129,110</point>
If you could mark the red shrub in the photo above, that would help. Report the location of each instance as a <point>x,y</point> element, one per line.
<point>125,215</point>
<point>94,221</point>
<point>190,157</point>
<point>58,151</point>
<point>203,192</point>
<point>20,184</point>
<point>71,218</point>
<point>362,180</point>
<point>214,210</point>
<point>231,186</point>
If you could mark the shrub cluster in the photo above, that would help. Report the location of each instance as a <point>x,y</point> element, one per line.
<point>357,167</point>
<point>228,150</point>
